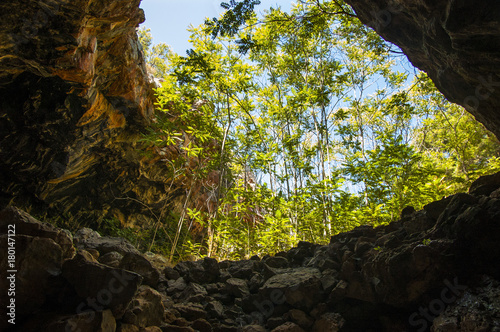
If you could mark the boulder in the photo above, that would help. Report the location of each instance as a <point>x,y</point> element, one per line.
<point>25,224</point>
<point>137,263</point>
<point>214,309</point>
<point>99,286</point>
<point>202,325</point>
<point>87,238</point>
<point>36,262</point>
<point>170,273</point>
<point>300,318</point>
<point>237,287</point>
<point>288,327</point>
<point>190,311</point>
<point>329,322</point>
<point>301,288</point>
<point>176,286</point>
<point>201,272</point>
<point>112,259</point>
<point>101,321</point>
<point>253,328</point>
<point>243,269</point>
<point>192,293</point>
<point>476,309</point>
<point>145,309</point>
<point>277,262</point>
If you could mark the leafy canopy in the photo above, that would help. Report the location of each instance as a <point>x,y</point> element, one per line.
<point>302,125</point>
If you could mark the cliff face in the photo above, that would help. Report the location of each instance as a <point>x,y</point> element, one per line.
<point>74,98</point>
<point>456,42</point>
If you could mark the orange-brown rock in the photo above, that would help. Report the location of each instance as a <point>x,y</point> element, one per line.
<point>74,102</point>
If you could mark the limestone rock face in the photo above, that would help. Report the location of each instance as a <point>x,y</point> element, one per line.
<point>74,99</point>
<point>456,42</point>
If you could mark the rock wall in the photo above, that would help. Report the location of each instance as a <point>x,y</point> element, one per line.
<point>456,42</point>
<point>434,269</point>
<point>74,99</point>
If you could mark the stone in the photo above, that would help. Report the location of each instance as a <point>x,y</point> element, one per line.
<point>170,273</point>
<point>477,309</point>
<point>420,222</point>
<point>112,259</point>
<point>237,287</point>
<point>139,264</point>
<point>102,321</point>
<point>174,328</point>
<point>202,325</point>
<point>87,238</point>
<point>171,315</point>
<point>176,286</point>
<point>274,322</point>
<point>255,282</point>
<point>300,318</point>
<point>151,329</point>
<point>319,310</point>
<point>191,311</point>
<point>145,309</point>
<point>362,245</point>
<point>212,270</point>
<point>297,255</point>
<point>158,261</point>
<point>94,253</point>
<point>300,288</point>
<point>277,262</point>
<point>288,327</point>
<point>127,328</point>
<point>253,328</point>
<point>339,291</point>
<point>37,261</point>
<point>214,309</point>
<point>329,322</point>
<point>407,212</point>
<point>485,185</point>
<point>191,271</point>
<point>243,269</point>
<point>192,293</point>
<point>434,209</point>
<point>25,224</point>
<point>100,286</point>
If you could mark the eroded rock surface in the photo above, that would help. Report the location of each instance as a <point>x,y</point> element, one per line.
<point>432,269</point>
<point>456,42</point>
<point>74,101</point>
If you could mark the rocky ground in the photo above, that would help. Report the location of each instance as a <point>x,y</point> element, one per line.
<point>434,269</point>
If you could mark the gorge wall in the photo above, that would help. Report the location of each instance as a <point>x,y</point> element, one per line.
<point>74,101</point>
<point>456,42</point>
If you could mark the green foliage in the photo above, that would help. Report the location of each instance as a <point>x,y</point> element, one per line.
<point>237,13</point>
<point>311,130</point>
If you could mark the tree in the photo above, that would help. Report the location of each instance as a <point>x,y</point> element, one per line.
<point>310,128</point>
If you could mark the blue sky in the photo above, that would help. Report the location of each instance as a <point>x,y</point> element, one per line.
<point>169,19</point>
